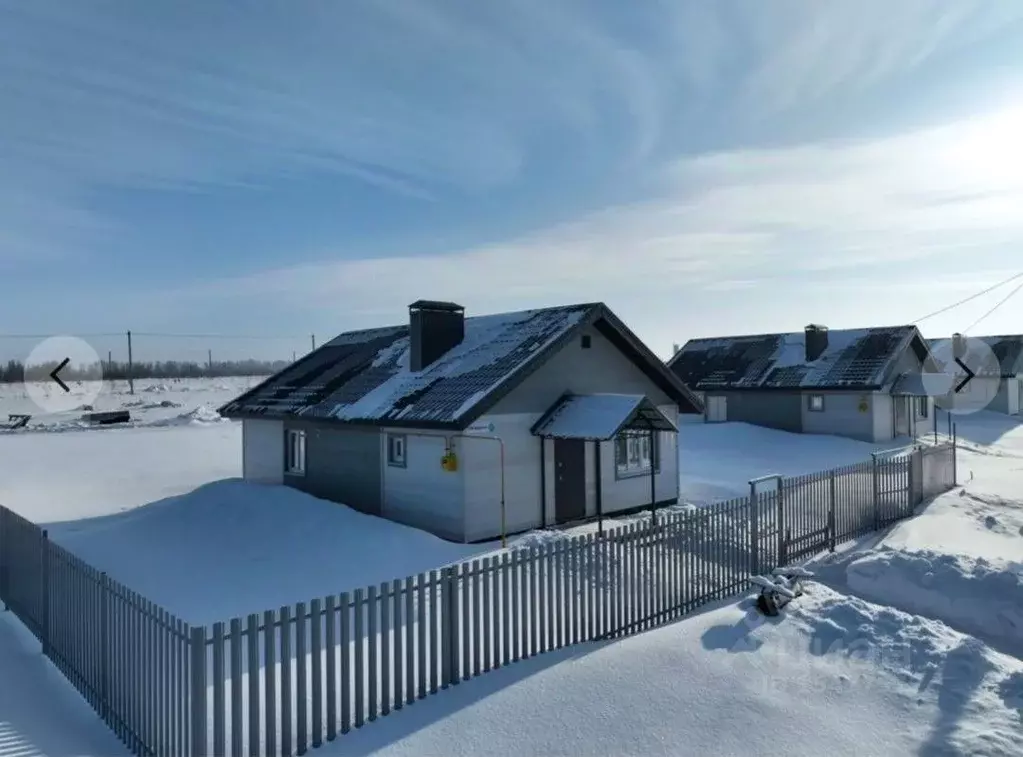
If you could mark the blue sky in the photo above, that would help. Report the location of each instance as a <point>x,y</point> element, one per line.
<point>310,167</point>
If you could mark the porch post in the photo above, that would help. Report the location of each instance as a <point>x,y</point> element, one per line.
<point>600,493</point>
<point>543,482</point>
<point>653,477</point>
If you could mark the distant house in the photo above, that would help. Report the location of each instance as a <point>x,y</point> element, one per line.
<point>861,383</point>
<point>560,413</point>
<point>997,362</point>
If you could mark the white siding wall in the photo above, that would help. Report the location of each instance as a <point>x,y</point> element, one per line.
<point>423,494</point>
<point>622,494</point>
<point>883,410</point>
<point>263,451</point>
<point>480,460</point>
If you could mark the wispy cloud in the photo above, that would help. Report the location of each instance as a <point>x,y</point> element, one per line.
<point>826,216</point>
<point>443,100</point>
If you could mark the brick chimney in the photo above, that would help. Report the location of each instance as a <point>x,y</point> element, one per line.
<point>434,328</point>
<point>816,341</point>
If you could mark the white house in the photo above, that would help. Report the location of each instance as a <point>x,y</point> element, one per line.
<point>473,427</point>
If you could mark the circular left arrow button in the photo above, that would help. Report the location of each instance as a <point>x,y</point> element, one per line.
<point>54,374</point>
<point>66,374</point>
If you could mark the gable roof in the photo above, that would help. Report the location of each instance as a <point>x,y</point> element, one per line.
<point>1007,350</point>
<point>600,417</point>
<point>363,377</point>
<point>853,359</point>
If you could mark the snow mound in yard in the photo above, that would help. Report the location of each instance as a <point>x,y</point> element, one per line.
<point>974,595</point>
<point>832,676</point>
<point>233,547</point>
<point>201,415</point>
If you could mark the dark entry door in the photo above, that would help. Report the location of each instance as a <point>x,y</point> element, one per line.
<point>569,479</point>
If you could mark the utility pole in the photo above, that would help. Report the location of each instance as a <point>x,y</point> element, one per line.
<point>209,356</point>
<point>131,372</point>
<point>312,337</point>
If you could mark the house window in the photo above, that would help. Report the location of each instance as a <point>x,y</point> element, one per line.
<point>816,403</point>
<point>633,453</point>
<point>585,341</point>
<point>295,453</point>
<point>396,450</point>
<point>921,406</point>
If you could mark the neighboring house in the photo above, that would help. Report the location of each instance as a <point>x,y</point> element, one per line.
<point>998,381</point>
<point>861,383</point>
<point>437,422</point>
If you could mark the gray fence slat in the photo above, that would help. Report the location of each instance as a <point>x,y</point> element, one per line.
<point>504,650</point>
<point>410,642</point>
<point>435,641</point>
<point>359,640</point>
<point>517,620</point>
<point>331,654</point>
<point>465,624</point>
<point>287,736</point>
<point>237,712</point>
<point>387,648</point>
<point>316,669</point>
<point>252,642</point>
<point>373,651</point>
<point>422,661</point>
<point>345,621</point>
<point>301,679</point>
<point>400,621</point>
<point>219,699</point>
<point>270,682</point>
<point>488,614</point>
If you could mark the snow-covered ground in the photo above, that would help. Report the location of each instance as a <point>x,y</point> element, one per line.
<point>908,644</point>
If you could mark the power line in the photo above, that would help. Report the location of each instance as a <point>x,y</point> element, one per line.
<point>998,305</point>
<point>972,297</point>
<point>265,337</point>
<point>47,336</point>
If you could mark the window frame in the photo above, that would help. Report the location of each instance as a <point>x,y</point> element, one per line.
<point>810,403</point>
<point>393,460</point>
<point>923,407</point>
<point>634,443</point>
<point>295,449</point>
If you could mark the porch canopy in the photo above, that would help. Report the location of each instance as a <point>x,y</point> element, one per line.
<point>923,385</point>
<point>600,417</point>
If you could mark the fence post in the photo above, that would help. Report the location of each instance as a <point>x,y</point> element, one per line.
<point>832,496</point>
<point>876,491</point>
<point>104,642</point>
<point>754,528</point>
<point>955,446</point>
<point>45,592</point>
<point>197,691</point>
<point>783,558</point>
<point>3,559</point>
<point>447,629</point>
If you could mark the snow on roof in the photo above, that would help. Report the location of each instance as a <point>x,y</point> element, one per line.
<point>853,358</point>
<point>599,417</point>
<point>364,376</point>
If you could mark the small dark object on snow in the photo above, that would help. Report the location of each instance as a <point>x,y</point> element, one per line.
<point>16,420</point>
<point>108,417</point>
<point>785,585</point>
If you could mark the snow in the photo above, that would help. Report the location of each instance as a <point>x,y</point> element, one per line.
<point>718,460</point>
<point>906,642</point>
<point>591,416</point>
<point>790,352</point>
<point>488,339</point>
<point>832,675</point>
<point>251,547</point>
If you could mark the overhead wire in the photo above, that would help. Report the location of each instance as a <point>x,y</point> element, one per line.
<point>973,297</point>
<point>1001,302</point>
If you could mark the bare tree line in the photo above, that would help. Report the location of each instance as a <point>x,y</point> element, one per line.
<point>15,371</point>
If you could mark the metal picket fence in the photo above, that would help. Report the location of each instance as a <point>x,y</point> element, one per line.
<point>285,680</point>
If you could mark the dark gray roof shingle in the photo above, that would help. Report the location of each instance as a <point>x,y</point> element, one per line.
<point>854,358</point>
<point>363,376</point>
